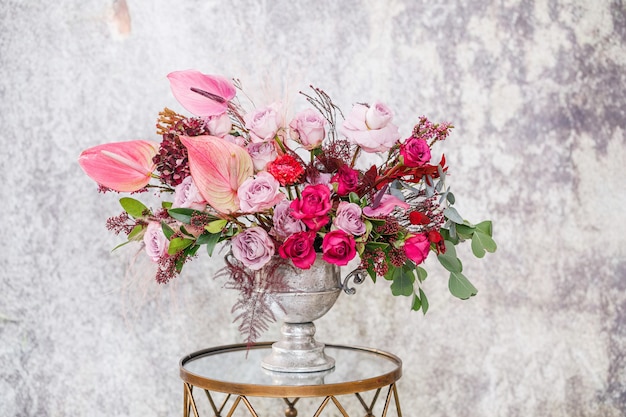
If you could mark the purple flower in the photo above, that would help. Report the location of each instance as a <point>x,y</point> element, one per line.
<point>253,247</point>
<point>155,241</point>
<point>262,153</point>
<point>259,193</point>
<point>307,128</point>
<point>187,195</point>
<point>264,123</point>
<point>349,218</point>
<point>285,224</point>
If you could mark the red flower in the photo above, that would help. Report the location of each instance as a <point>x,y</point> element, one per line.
<point>299,248</point>
<point>285,169</point>
<point>415,152</point>
<point>416,217</point>
<point>436,238</point>
<point>313,207</point>
<point>338,247</point>
<point>347,178</point>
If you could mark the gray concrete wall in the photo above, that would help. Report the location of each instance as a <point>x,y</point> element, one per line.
<point>535,90</point>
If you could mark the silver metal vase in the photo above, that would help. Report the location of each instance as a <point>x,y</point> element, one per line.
<point>312,292</point>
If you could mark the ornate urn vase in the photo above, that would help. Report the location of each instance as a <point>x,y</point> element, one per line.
<point>310,293</point>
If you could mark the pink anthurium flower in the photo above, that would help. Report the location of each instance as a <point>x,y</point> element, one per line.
<point>218,168</point>
<point>120,166</point>
<point>201,94</point>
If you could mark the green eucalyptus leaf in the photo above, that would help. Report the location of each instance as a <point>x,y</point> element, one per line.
<point>424,302</point>
<point>134,208</point>
<point>166,204</point>
<point>421,274</point>
<point>450,197</point>
<point>212,241</point>
<point>460,286</point>
<point>177,244</point>
<point>450,249</point>
<point>485,227</point>
<point>482,242</point>
<point>453,215</point>
<point>402,282</point>
<point>354,198</point>
<point>417,303</point>
<point>450,262</point>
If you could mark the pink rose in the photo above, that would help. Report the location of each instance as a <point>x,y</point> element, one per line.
<point>264,123</point>
<point>417,247</point>
<point>307,128</point>
<point>387,204</point>
<point>253,247</point>
<point>219,125</point>
<point>259,193</point>
<point>347,179</point>
<point>349,219</point>
<point>262,153</point>
<point>187,195</point>
<point>313,207</point>
<point>155,241</point>
<point>299,248</point>
<point>320,178</point>
<point>284,223</point>
<point>415,152</point>
<point>371,127</point>
<point>338,247</point>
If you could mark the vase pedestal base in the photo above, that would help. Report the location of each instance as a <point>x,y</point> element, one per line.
<point>298,351</point>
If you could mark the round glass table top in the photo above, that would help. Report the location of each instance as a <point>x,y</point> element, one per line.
<point>236,370</point>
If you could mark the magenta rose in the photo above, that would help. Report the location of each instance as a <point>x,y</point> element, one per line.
<point>187,195</point>
<point>313,207</point>
<point>348,218</point>
<point>417,247</point>
<point>415,152</point>
<point>347,180</point>
<point>299,248</point>
<point>155,241</point>
<point>259,193</point>
<point>307,128</point>
<point>219,125</point>
<point>371,127</point>
<point>253,247</point>
<point>284,223</point>
<point>338,247</point>
<point>264,123</point>
<point>262,153</point>
<point>387,204</point>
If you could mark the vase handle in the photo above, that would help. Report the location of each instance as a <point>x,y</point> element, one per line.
<point>357,276</point>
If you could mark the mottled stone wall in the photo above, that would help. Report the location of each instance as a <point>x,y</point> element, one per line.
<point>535,90</point>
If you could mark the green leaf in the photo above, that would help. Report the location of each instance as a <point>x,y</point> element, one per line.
<point>120,245</point>
<point>136,231</point>
<point>374,245</point>
<point>417,303</point>
<point>354,198</point>
<point>485,227</point>
<point>402,282</point>
<point>167,231</point>
<point>216,226</point>
<point>450,262</point>
<point>134,208</point>
<point>182,214</point>
<point>211,242</point>
<point>482,242</point>
<point>424,302</point>
<point>453,215</point>
<point>460,286</point>
<point>464,231</point>
<point>421,274</point>
<point>177,244</point>
<point>450,197</point>
<point>166,204</point>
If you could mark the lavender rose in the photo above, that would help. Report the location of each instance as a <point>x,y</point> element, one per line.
<point>262,153</point>
<point>253,247</point>
<point>187,195</point>
<point>349,218</point>
<point>264,123</point>
<point>259,193</point>
<point>371,127</point>
<point>307,128</point>
<point>285,224</point>
<point>155,241</point>
<point>219,125</point>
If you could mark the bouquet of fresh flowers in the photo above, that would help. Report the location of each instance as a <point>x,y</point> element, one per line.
<point>289,191</point>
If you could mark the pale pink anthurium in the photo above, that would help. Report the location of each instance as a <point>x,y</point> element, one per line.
<point>218,168</point>
<point>201,94</point>
<point>120,166</point>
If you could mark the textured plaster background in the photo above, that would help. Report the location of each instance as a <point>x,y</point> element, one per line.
<point>535,90</point>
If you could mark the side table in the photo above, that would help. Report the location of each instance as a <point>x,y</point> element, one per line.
<point>236,371</point>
